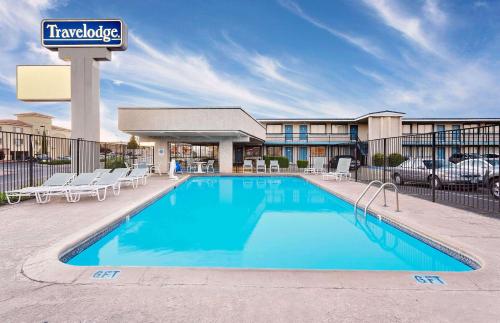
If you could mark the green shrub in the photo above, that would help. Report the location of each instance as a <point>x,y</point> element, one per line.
<point>115,162</point>
<point>282,161</point>
<point>56,162</point>
<point>378,159</point>
<point>302,163</point>
<point>395,160</point>
<point>3,198</point>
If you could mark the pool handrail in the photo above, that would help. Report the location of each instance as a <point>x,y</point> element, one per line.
<point>365,191</point>
<point>378,191</point>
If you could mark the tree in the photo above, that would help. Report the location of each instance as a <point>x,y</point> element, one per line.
<point>132,143</point>
<point>45,148</point>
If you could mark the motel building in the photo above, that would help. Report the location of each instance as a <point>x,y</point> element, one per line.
<point>13,139</point>
<point>230,135</point>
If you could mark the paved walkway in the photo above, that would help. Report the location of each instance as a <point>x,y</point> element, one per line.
<point>247,296</point>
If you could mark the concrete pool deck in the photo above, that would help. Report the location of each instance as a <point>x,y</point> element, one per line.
<point>35,286</point>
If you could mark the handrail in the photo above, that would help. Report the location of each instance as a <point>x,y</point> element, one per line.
<point>378,191</point>
<point>366,190</point>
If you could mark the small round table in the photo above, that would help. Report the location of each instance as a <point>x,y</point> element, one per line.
<point>199,171</point>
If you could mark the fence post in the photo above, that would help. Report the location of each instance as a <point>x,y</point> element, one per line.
<point>433,182</point>
<point>30,140</point>
<point>385,159</point>
<point>78,156</point>
<point>356,159</point>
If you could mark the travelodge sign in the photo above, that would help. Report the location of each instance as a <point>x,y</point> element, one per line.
<point>108,33</point>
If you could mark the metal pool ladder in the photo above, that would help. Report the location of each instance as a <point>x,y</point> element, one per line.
<point>382,187</point>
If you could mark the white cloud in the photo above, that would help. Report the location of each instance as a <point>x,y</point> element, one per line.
<point>411,27</point>
<point>359,42</point>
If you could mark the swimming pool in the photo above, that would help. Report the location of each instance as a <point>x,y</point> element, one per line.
<point>260,222</point>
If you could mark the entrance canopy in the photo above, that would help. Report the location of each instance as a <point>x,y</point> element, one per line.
<point>206,124</point>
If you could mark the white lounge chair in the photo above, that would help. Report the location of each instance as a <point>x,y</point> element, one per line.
<point>100,171</point>
<point>247,165</point>
<point>55,181</point>
<point>317,167</point>
<point>98,189</point>
<point>342,170</point>
<point>261,166</point>
<point>136,175</point>
<point>122,171</point>
<point>156,168</point>
<point>83,179</point>
<point>273,164</point>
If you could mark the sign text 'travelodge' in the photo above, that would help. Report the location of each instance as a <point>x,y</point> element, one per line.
<point>110,33</point>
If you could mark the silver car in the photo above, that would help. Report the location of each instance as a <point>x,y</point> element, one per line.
<point>419,170</point>
<point>487,171</point>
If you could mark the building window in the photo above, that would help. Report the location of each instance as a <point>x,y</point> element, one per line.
<point>406,129</point>
<point>18,129</point>
<point>455,149</point>
<point>18,142</point>
<point>252,151</point>
<point>289,153</point>
<point>274,151</point>
<point>302,153</point>
<point>339,128</point>
<point>319,151</point>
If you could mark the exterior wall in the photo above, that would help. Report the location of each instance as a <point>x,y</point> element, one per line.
<point>384,127</point>
<point>186,119</point>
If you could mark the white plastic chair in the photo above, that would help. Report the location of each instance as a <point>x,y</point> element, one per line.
<point>209,168</point>
<point>247,165</point>
<point>273,164</point>
<point>342,170</point>
<point>261,166</point>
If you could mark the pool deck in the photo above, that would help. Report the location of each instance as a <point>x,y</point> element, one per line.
<point>35,286</point>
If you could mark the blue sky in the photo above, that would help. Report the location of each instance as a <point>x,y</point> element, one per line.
<point>277,58</point>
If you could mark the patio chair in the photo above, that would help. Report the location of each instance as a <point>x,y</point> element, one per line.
<point>98,189</point>
<point>247,165</point>
<point>190,167</point>
<point>122,171</point>
<point>136,175</point>
<point>155,168</point>
<point>55,181</point>
<point>209,168</point>
<point>100,171</point>
<point>43,196</point>
<point>273,164</point>
<point>261,166</point>
<point>342,170</point>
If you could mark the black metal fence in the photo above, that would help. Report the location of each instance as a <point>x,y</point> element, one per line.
<point>459,167</point>
<point>29,159</point>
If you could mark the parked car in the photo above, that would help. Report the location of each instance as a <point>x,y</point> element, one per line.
<point>42,158</point>
<point>354,163</point>
<point>65,158</point>
<point>456,158</point>
<point>486,170</point>
<point>419,170</point>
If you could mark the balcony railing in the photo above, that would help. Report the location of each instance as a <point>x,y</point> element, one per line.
<point>309,138</point>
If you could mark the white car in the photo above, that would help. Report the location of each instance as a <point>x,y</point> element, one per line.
<point>487,170</point>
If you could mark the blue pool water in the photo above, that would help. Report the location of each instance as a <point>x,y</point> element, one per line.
<point>260,222</point>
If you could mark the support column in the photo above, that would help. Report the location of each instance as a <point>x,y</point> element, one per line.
<point>85,99</point>
<point>226,156</point>
<point>162,160</point>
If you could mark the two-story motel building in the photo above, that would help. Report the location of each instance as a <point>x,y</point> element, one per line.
<point>229,134</point>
